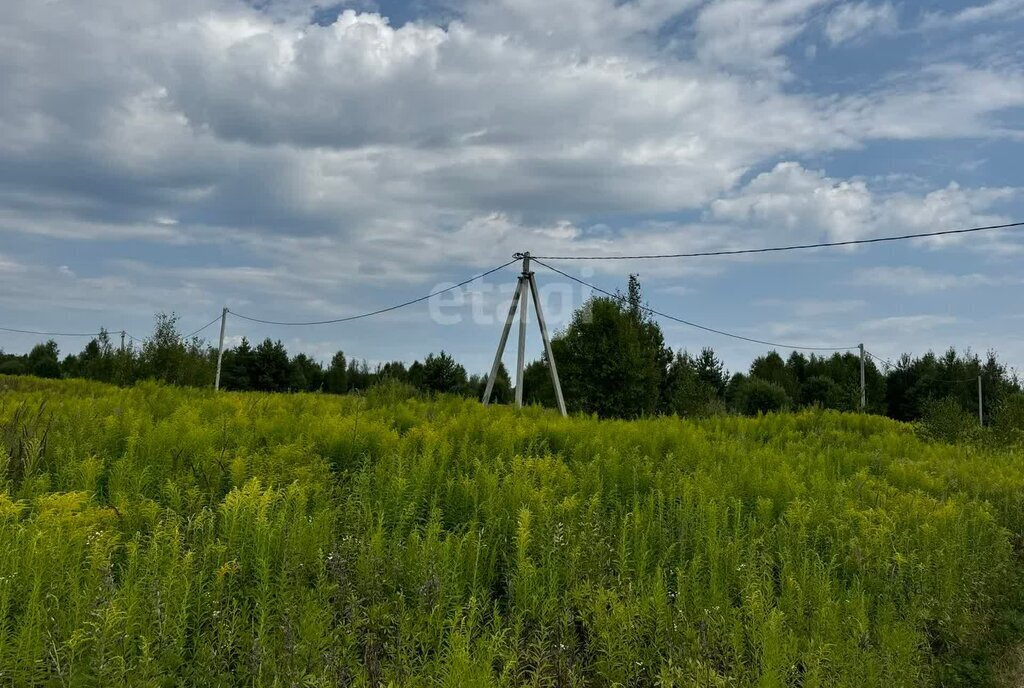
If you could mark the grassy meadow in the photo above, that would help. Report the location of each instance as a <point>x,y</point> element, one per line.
<point>157,536</point>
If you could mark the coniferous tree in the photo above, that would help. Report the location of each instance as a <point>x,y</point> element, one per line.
<point>336,378</point>
<point>271,366</point>
<point>442,374</point>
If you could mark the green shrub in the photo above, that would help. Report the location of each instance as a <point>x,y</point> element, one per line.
<point>945,420</point>
<point>760,396</point>
<point>1008,419</point>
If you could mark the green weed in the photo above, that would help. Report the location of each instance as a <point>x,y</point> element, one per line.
<point>161,537</point>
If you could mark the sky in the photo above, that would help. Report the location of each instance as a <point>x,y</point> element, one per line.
<point>301,161</point>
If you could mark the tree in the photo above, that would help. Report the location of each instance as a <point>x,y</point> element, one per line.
<point>43,360</point>
<point>757,395</point>
<point>359,376</point>
<point>271,366</point>
<point>914,383</point>
<point>612,358</point>
<point>12,364</point>
<point>711,371</point>
<point>690,393</point>
<point>238,368</point>
<point>336,378</point>
<point>392,370</point>
<point>502,391</point>
<point>537,385</point>
<point>416,375</point>
<point>442,374</point>
<point>165,356</point>
<point>772,368</point>
<point>306,374</point>
<point>822,391</point>
<point>97,359</point>
<point>163,352</point>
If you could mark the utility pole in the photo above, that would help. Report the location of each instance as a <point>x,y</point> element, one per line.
<point>524,280</point>
<point>981,415</point>
<point>863,387</point>
<point>122,341</point>
<point>526,283</point>
<point>547,345</point>
<point>220,349</point>
<point>501,343</point>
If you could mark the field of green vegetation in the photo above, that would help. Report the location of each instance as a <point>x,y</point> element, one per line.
<point>156,536</point>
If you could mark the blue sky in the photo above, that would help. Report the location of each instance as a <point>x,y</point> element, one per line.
<point>296,161</point>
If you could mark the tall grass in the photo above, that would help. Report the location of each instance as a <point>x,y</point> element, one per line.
<point>161,537</point>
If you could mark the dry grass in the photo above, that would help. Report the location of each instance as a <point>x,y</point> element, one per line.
<point>1010,672</point>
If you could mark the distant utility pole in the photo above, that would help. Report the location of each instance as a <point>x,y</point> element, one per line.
<point>527,283</point>
<point>863,386</point>
<point>122,341</point>
<point>220,348</point>
<point>981,415</point>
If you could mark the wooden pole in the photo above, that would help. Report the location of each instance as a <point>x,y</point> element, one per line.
<point>547,345</point>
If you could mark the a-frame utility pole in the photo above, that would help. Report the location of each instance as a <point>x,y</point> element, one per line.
<point>527,283</point>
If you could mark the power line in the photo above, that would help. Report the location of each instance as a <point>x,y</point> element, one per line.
<point>693,324</point>
<point>887,363</point>
<point>796,247</point>
<point>53,334</point>
<point>193,334</point>
<point>381,310</point>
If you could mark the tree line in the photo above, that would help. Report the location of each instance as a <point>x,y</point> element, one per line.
<point>167,357</point>
<point>612,360</point>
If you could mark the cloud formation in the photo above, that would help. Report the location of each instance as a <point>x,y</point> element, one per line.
<point>850,20</point>
<point>808,203</point>
<point>296,159</point>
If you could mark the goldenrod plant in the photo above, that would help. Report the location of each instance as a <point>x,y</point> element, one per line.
<point>160,536</point>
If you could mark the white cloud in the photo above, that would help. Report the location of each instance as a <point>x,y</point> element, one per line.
<point>817,308</point>
<point>974,14</point>
<point>853,19</point>
<point>584,26</point>
<point>915,280</point>
<point>748,34</point>
<point>234,119</point>
<point>907,324</point>
<point>309,160</point>
<point>960,101</point>
<point>802,203</point>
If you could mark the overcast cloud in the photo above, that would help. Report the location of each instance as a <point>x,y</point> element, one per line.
<point>181,156</point>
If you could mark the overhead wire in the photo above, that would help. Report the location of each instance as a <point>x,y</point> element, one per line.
<point>794,247</point>
<point>884,361</point>
<point>690,323</point>
<point>193,334</point>
<point>52,334</point>
<point>380,310</point>
<point>539,259</point>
